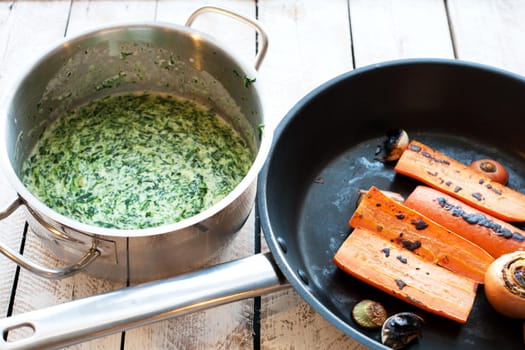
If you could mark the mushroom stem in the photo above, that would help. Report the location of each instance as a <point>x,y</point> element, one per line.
<point>395,144</point>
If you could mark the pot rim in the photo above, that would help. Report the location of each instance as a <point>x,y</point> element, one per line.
<point>266,137</point>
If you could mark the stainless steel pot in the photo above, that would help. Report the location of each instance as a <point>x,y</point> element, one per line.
<point>134,57</point>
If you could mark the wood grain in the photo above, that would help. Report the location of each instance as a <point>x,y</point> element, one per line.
<point>31,28</point>
<point>490,32</point>
<point>386,30</point>
<point>309,44</point>
<point>86,15</point>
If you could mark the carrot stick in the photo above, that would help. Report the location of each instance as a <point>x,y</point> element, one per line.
<point>458,180</point>
<point>404,275</point>
<point>497,237</point>
<point>414,231</point>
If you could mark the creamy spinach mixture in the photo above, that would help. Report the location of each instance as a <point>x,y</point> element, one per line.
<point>136,161</point>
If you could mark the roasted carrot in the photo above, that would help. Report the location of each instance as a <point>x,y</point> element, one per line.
<point>415,232</point>
<point>459,180</point>
<point>497,237</point>
<point>398,272</point>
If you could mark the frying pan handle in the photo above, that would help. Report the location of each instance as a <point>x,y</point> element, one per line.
<point>263,37</point>
<point>42,271</point>
<point>103,314</point>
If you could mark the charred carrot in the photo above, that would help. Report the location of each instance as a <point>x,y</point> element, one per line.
<point>497,237</point>
<point>404,275</point>
<point>415,232</point>
<point>459,180</point>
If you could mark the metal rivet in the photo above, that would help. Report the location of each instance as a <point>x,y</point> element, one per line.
<point>303,276</point>
<point>282,244</point>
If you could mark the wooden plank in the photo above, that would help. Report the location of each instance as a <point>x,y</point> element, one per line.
<point>489,32</point>
<point>87,15</point>
<point>6,19</point>
<point>287,322</point>
<point>309,44</point>
<point>25,41</point>
<point>229,326</point>
<point>384,30</point>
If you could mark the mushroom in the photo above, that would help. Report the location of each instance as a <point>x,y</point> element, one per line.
<point>369,314</point>
<point>492,169</point>
<point>400,329</point>
<point>505,284</point>
<point>393,147</point>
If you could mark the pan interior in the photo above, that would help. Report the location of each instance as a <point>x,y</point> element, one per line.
<point>324,153</point>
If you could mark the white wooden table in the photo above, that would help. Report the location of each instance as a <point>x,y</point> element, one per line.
<point>310,42</point>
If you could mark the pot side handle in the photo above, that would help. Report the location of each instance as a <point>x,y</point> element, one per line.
<point>95,316</point>
<point>42,271</point>
<point>263,37</point>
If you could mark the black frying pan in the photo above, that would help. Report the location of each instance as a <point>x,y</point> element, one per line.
<point>323,154</point>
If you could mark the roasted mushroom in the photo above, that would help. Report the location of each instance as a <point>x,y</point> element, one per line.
<point>492,169</point>
<point>393,147</point>
<point>369,314</point>
<point>505,284</point>
<point>400,329</point>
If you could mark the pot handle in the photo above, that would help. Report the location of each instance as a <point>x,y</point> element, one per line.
<point>116,311</point>
<point>263,37</point>
<point>42,271</point>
